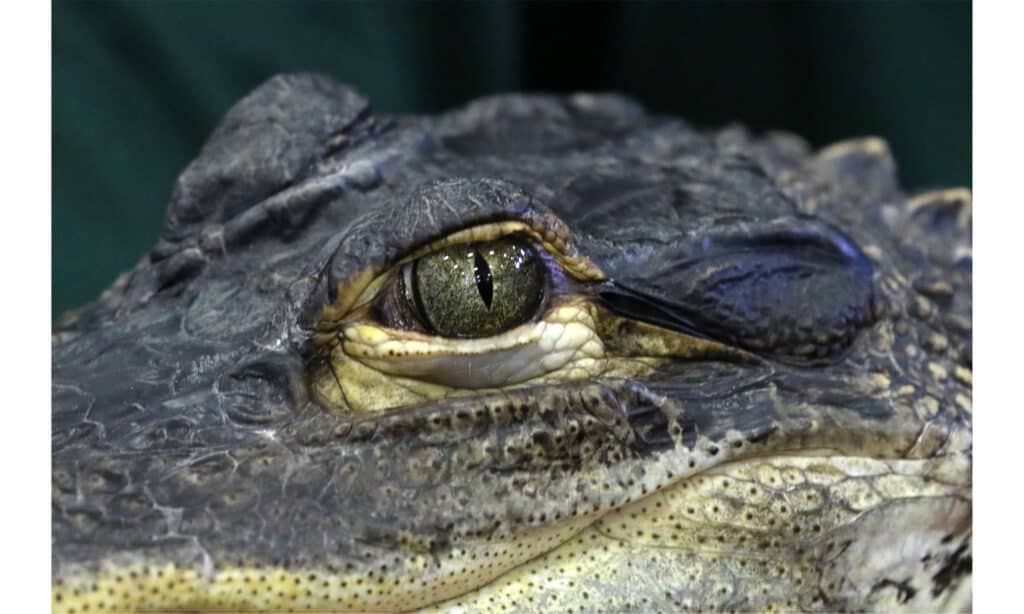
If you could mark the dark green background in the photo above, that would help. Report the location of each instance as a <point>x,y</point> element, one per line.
<point>137,86</point>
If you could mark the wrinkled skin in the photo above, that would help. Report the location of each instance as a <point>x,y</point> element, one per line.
<point>818,460</point>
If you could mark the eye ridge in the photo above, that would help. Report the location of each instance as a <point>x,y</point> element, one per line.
<point>484,281</point>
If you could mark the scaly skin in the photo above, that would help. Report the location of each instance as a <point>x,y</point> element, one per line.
<point>773,409</point>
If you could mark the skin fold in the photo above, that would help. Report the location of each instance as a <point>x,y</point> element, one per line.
<point>744,383</point>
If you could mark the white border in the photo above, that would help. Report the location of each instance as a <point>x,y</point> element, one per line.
<point>998,150</point>
<point>25,253</point>
<point>998,173</point>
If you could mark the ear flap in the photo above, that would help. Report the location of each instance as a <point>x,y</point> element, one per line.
<point>795,289</point>
<point>261,146</point>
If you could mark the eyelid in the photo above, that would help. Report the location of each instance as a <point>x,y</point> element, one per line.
<point>565,334</point>
<point>558,247</point>
<point>577,265</point>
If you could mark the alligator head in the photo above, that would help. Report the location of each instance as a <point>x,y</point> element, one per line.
<point>535,354</point>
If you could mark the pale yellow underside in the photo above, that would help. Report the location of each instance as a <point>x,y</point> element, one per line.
<point>730,529</point>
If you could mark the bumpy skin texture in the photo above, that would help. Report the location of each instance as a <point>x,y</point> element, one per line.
<point>185,436</point>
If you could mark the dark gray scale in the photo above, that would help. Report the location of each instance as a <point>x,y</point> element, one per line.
<point>765,279</point>
<point>183,429</point>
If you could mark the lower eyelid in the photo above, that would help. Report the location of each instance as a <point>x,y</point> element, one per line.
<point>488,370</point>
<point>523,353</point>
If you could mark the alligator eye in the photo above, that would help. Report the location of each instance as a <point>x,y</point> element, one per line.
<point>476,289</point>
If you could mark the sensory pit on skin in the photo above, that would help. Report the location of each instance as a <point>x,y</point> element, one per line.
<point>754,526</point>
<point>717,515</point>
<point>728,520</point>
<point>726,373</point>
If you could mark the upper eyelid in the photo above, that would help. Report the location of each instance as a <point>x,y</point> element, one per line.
<point>549,245</point>
<point>559,248</point>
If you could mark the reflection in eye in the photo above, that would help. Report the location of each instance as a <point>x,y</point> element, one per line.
<point>476,289</point>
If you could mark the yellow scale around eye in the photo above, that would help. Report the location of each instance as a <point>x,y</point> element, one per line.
<point>376,368</point>
<point>371,367</point>
<point>366,366</point>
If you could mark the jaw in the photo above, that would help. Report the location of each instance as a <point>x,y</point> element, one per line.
<point>778,533</point>
<point>783,531</point>
<point>715,482</point>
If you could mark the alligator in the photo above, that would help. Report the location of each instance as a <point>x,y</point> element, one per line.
<point>540,353</point>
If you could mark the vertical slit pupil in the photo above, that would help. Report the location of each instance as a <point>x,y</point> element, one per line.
<point>484,283</point>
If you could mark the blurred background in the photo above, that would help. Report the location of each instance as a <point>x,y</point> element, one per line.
<point>138,85</point>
